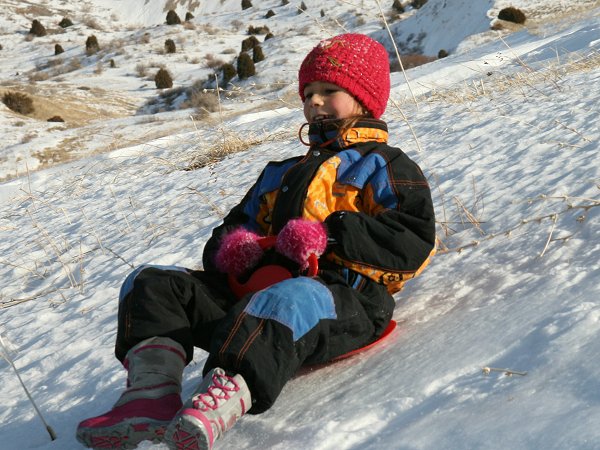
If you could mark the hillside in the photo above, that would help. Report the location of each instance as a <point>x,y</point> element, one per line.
<point>504,128</point>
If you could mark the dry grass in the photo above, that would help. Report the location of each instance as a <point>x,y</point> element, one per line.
<point>208,29</point>
<point>77,108</point>
<point>212,62</point>
<point>141,70</point>
<point>229,143</point>
<point>18,102</point>
<point>461,216</point>
<point>34,11</point>
<point>570,204</point>
<point>92,22</point>
<point>528,78</point>
<point>51,156</point>
<point>204,102</point>
<point>189,26</point>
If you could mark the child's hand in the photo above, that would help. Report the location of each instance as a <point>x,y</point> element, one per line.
<point>301,238</point>
<point>238,252</point>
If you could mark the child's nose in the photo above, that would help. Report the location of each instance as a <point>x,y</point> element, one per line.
<point>316,99</point>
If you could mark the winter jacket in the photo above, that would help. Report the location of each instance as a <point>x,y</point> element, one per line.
<point>374,200</point>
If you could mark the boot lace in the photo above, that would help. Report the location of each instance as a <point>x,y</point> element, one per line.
<point>221,389</point>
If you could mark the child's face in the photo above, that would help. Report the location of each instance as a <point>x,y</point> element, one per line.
<point>329,101</point>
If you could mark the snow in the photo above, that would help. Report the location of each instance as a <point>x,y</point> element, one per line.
<point>505,128</point>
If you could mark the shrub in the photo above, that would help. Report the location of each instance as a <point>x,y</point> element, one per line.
<point>188,16</point>
<point>18,102</point>
<point>257,54</point>
<point>418,3</point>
<point>173,18</point>
<point>511,14</point>
<point>249,43</point>
<point>58,49</point>
<point>285,2</point>
<point>91,45</point>
<point>55,119</point>
<point>258,30</point>
<point>302,8</point>
<point>442,54</point>
<point>111,63</point>
<point>411,60</point>
<point>65,23</point>
<point>397,6</point>
<point>245,66</point>
<point>170,46</point>
<point>228,72</point>
<point>37,29</point>
<point>270,13</point>
<point>203,101</point>
<point>163,79</point>
<point>246,4</point>
<point>269,36</point>
<point>322,13</point>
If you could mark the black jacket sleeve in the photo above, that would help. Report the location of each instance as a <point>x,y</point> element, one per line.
<point>395,243</point>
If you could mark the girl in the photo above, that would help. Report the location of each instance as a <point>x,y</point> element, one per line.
<point>301,271</point>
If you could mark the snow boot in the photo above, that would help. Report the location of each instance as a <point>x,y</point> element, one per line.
<point>150,401</point>
<point>215,407</point>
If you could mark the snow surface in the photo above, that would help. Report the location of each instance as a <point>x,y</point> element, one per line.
<point>505,128</point>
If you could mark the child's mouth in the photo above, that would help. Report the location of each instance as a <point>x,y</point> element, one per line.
<point>321,117</point>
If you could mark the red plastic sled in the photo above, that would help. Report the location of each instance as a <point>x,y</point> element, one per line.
<point>386,333</point>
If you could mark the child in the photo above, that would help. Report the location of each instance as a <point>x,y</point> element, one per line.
<point>301,271</point>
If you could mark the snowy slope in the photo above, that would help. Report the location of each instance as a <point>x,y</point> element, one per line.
<point>506,130</point>
<point>451,22</point>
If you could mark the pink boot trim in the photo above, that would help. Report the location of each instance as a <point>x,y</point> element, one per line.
<point>163,409</point>
<point>125,426</point>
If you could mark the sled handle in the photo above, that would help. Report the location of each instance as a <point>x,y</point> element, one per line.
<point>268,242</point>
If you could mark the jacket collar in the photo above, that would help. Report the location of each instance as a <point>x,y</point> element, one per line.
<point>326,133</point>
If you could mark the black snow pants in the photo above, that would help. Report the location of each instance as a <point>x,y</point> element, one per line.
<point>265,336</point>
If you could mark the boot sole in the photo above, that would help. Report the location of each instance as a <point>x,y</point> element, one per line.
<point>189,432</point>
<point>125,435</point>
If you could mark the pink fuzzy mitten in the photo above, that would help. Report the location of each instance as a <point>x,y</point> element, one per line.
<point>300,238</point>
<point>238,252</point>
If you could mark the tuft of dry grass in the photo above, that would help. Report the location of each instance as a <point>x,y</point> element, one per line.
<point>229,143</point>
<point>141,70</point>
<point>34,10</point>
<point>92,22</point>
<point>213,62</point>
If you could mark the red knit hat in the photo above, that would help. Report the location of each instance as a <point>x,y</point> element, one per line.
<point>354,62</point>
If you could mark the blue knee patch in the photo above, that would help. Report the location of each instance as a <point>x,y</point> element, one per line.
<point>297,303</point>
<point>127,285</point>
